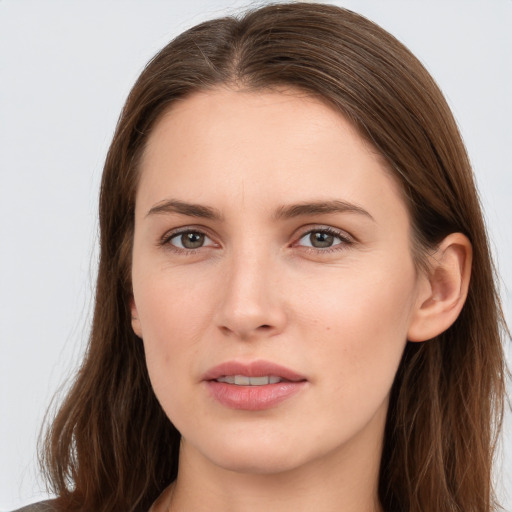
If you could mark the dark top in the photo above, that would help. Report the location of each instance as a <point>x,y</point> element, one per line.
<point>42,506</point>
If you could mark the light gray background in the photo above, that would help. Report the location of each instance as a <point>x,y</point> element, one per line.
<point>65,70</point>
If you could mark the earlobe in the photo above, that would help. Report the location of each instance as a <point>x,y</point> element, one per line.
<point>135,318</point>
<point>444,289</point>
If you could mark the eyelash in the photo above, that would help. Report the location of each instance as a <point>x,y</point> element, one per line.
<point>165,241</point>
<point>345,240</point>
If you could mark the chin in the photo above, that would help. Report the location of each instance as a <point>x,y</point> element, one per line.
<point>246,452</point>
<point>258,462</point>
<point>264,455</point>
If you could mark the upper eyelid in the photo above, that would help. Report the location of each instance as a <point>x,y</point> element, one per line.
<point>186,229</point>
<point>341,233</point>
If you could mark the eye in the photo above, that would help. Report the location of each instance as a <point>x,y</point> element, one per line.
<point>323,239</point>
<point>188,240</point>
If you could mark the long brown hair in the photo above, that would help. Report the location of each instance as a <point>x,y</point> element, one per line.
<point>111,446</point>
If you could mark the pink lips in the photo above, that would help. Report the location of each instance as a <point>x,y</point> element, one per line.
<point>252,398</point>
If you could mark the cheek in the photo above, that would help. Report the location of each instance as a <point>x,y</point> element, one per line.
<point>173,305</point>
<point>360,325</point>
<point>359,298</point>
<point>174,312</point>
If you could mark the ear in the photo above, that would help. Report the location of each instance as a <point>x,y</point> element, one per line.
<point>444,288</point>
<point>135,318</point>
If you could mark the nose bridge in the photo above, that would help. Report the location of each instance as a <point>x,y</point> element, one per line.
<point>251,299</point>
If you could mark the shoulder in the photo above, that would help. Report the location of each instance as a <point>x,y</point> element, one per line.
<point>42,506</point>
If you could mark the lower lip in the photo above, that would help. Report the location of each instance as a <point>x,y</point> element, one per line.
<point>253,398</point>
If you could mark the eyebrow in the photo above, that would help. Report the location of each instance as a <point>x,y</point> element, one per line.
<point>184,208</point>
<point>282,213</point>
<point>319,208</point>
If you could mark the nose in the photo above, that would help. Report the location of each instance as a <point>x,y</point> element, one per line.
<point>253,299</point>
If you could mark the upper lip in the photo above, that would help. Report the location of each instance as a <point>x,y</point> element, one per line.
<point>252,369</point>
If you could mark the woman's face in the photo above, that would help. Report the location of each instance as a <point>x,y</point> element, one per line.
<point>273,280</point>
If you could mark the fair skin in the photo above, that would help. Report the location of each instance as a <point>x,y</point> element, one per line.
<point>332,294</point>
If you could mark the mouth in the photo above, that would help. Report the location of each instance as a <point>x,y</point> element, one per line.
<point>253,373</point>
<point>245,380</point>
<point>252,386</point>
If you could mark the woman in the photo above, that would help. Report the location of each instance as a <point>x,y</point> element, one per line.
<point>295,304</point>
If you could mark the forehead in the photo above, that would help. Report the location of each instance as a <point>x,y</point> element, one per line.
<point>262,146</point>
<point>289,115</point>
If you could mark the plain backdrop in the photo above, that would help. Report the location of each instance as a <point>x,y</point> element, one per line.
<point>65,70</point>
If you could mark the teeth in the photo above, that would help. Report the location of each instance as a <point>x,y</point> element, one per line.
<point>256,381</point>
<point>243,380</point>
<point>229,379</point>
